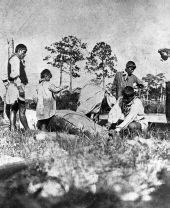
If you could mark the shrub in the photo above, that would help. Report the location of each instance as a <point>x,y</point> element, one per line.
<point>67,100</point>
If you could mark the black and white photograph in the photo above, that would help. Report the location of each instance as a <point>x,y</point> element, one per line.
<point>84,103</point>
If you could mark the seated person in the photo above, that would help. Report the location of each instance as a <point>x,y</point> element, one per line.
<point>128,112</point>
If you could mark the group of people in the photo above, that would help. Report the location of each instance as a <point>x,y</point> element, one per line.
<point>128,112</point>
<point>15,79</point>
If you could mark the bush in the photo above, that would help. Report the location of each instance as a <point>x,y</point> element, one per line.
<point>68,100</point>
<point>154,107</point>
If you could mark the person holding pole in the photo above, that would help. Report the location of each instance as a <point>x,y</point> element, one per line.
<point>15,84</point>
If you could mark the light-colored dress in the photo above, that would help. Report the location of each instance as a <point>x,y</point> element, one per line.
<point>46,104</point>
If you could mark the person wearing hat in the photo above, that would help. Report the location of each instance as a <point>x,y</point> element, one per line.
<point>128,112</point>
<point>126,78</point>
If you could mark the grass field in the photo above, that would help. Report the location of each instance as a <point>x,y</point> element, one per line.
<point>77,171</point>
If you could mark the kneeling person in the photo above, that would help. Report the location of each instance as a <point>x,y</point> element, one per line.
<point>128,112</point>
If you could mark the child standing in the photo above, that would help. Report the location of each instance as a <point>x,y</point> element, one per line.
<point>46,103</point>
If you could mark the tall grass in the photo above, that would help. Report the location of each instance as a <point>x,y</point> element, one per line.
<point>81,169</point>
<point>154,106</point>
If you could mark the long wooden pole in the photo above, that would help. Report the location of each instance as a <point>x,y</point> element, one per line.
<point>10,53</point>
<point>71,76</point>
<point>168,101</point>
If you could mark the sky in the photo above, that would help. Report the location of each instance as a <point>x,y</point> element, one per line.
<point>135,30</point>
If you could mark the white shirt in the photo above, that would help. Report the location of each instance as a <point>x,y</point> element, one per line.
<point>136,113</point>
<point>15,69</point>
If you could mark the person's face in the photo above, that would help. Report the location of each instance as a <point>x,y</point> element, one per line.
<point>130,70</point>
<point>22,53</point>
<point>47,77</point>
<point>127,99</point>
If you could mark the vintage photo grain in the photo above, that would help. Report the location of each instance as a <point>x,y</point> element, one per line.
<point>84,103</point>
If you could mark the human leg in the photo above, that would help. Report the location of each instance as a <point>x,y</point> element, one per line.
<point>13,120</point>
<point>22,116</point>
<point>12,115</point>
<point>7,110</point>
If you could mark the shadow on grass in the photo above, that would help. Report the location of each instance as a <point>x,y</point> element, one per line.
<point>14,194</point>
<point>78,198</point>
<point>159,130</point>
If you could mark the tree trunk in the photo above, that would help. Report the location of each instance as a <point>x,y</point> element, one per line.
<point>161,98</point>
<point>10,47</point>
<point>139,93</point>
<point>61,75</point>
<point>147,95</point>
<point>103,75</point>
<point>103,82</point>
<point>71,77</point>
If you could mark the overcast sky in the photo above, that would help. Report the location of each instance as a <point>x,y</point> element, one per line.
<point>135,29</point>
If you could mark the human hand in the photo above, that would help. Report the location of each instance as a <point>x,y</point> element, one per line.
<point>21,91</point>
<point>6,84</point>
<point>108,125</point>
<point>113,132</point>
<point>34,99</point>
<point>41,80</point>
<point>118,129</point>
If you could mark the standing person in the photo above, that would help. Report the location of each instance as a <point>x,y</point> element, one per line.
<point>128,112</point>
<point>15,83</point>
<point>125,78</point>
<point>46,103</point>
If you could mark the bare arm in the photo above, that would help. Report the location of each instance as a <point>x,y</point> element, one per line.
<point>139,83</point>
<point>55,89</point>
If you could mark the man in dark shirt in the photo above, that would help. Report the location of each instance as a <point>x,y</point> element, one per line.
<point>126,78</point>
